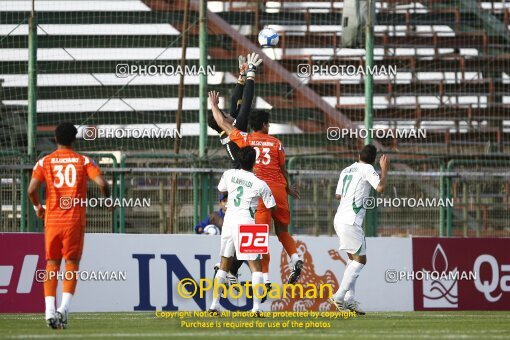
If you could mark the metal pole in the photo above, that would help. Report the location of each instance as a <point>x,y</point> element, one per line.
<point>24,201</point>
<point>32,82</point>
<point>172,225</point>
<point>202,15</point>
<point>196,212</point>
<point>442,210</point>
<point>161,194</point>
<point>449,210</point>
<point>369,63</point>
<point>32,107</point>
<point>122,193</point>
<point>115,194</point>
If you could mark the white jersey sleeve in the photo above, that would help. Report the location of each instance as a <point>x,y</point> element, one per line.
<point>222,186</point>
<point>371,176</point>
<point>339,186</point>
<point>267,195</point>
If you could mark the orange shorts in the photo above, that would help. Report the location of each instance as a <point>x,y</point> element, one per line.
<point>282,213</point>
<point>64,243</point>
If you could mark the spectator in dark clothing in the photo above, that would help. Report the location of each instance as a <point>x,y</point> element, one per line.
<point>214,218</point>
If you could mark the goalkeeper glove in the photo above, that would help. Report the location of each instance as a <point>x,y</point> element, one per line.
<point>243,68</point>
<point>253,62</point>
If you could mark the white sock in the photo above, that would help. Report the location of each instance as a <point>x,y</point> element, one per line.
<point>66,302</point>
<point>349,296</point>
<point>50,306</point>
<point>349,280</point>
<point>257,279</point>
<point>221,278</point>
<point>340,293</point>
<point>294,258</point>
<point>265,277</point>
<point>350,293</point>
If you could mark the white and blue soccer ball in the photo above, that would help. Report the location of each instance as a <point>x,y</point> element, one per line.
<point>268,37</point>
<point>211,229</point>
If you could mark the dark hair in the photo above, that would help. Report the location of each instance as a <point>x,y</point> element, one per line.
<point>368,154</point>
<point>246,157</point>
<point>65,134</point>
<point>213,124</point>
<point>258,118</point>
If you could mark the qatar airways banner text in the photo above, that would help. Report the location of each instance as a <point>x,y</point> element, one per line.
<point>150,267</point>
<point>476,273</point>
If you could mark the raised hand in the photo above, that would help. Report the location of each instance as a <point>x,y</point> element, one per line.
<point>253,62</point>
<point>214,98</point>
<point>384,162</point>
<point>243,66</point>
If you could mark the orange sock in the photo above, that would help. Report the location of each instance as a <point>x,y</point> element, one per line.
<point>51,282</point>
<point>288,242</point>
<point>264,262</point>
<point>70,285</point>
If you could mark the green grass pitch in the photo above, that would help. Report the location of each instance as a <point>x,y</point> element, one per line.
<point>453,325</point>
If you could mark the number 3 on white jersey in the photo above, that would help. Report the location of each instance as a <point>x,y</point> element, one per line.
<point>68,176</point>
<point>266,155</point>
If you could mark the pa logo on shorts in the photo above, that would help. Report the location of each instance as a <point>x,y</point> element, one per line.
<point>253,238</point>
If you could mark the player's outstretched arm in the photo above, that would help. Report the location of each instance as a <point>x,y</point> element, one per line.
<point>253,62</point>
<point>384,162</point>
<point>237,93</point>
<point>242,119</point>
<point>235,98</point>
<point>223,123</point>
<point>33,194</point>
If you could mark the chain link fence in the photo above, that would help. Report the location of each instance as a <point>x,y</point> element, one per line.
<point>426,199</point>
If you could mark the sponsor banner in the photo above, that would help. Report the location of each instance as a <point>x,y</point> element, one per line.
<point>472,273</point>
<point>150,268</point>
<point>325,263</point>
<point>21,255</point>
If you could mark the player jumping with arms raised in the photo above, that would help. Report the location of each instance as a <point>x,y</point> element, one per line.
<point>244,191</point>
<point>270,167</point>
<point>65,173</point>
<point>240,104</point>
<point>240,107</point>
<point>352,190</point>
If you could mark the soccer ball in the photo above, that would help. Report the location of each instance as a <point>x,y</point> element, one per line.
<point>268,37</point>
<point>211,229</point>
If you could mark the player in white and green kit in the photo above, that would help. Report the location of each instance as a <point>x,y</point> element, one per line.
<point>244,190</point>
<point>353,190</point>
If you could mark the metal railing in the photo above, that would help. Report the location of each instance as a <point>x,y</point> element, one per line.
<point>480,195</point>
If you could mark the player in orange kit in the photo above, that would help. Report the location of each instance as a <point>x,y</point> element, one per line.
<point>269,167</point>
<point>65,173</point>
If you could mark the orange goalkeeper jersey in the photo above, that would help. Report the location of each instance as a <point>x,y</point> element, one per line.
<point>65,173</point>
<point>270,155</point>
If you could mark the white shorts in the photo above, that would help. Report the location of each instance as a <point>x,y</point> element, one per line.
<point>352,238</point>
<point>230,244</point>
